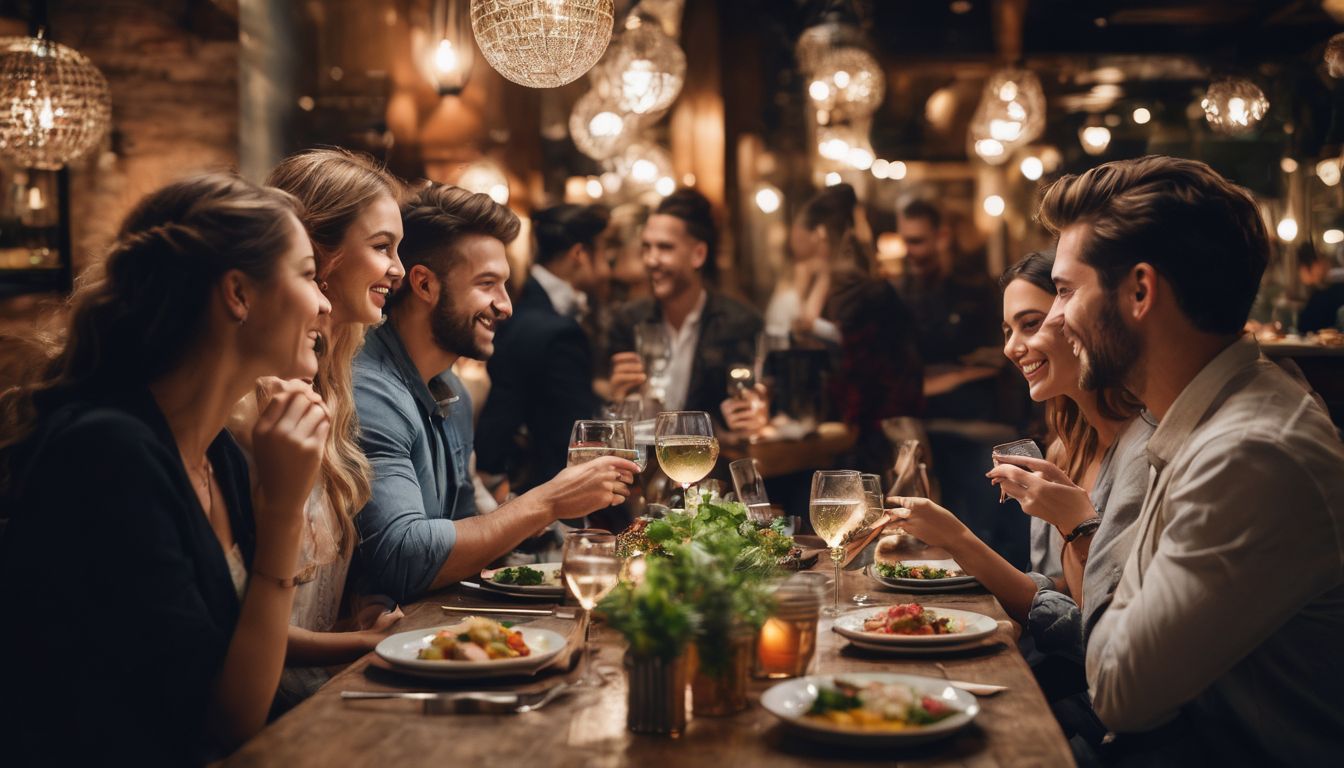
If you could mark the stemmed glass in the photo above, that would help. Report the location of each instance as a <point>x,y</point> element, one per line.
<point>686,447</point>
<point>590,439</point>
<point>591,570</point>
<point>632,410</point>
<point>750,489</point>
<point>872,495</point>
<point>837,508</point>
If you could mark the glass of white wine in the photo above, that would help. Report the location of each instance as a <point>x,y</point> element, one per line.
<point>686,447</point>
<point>590,439</point>
<point>591,570</point>
<point>837,507</point>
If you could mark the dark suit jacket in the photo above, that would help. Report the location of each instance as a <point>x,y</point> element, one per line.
<point>541,379</point>
<point>728,331</point>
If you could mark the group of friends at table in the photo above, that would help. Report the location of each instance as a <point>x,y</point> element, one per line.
<point>249,446</point>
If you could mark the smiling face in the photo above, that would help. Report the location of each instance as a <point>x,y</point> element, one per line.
<point>672,257</point>
<point>472,298</point>
<point>283,325</point>
<point>1039,350</point>
<point>365,268</point>
<point>1108,350</point>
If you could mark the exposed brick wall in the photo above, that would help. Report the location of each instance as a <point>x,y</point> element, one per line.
<point>172,66</point>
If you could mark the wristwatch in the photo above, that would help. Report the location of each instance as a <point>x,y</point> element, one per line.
<point>1085,528</point>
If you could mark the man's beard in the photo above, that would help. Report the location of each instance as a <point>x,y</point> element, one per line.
<point>1110,356</point>
<point>455,332</point>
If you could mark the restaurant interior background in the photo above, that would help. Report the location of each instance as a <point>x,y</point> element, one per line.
<point>974,104</point>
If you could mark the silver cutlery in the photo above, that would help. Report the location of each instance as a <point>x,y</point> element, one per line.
<point>979,689</point>
<point>462,702</point>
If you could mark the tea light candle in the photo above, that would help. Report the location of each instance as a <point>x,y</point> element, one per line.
<point>777,648</point>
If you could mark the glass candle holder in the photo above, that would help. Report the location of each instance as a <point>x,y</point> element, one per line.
<point>788,639</point>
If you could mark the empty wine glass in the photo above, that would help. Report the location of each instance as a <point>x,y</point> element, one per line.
<point>686,447</point>
<point>591,570</point>
<point>653,343</point>
<point>872,494</point>
<point>632,410</point>
<point>590,439</point>
<point>836,508</point>
<point>750,487</point>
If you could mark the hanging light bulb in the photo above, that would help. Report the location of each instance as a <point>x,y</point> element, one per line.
<point>647,67</point>
<point>896,170</point>
<point>1287,229</point>
<point>1328,171</point>
<point>445,48</point>
<point>1094,138</point>
<point>1011,113</point>
<point>599,127</point>
<point>1032,167</point>
<point>542,43</point>
<point>56,105</point>
<point>832,179</point>
<point>994,205</point>
<point>486,177</point>
<point>1333,236</point>
<point>1234,106</point>
<point>768,199</point>
<point>1142,116</point>
<point>1288,165</point>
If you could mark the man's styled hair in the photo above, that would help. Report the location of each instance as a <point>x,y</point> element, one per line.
<point>923,209</point>
<point>561,227</point>
<point>437,217</point>
<point>1202,233</point>
<point>697,214</point>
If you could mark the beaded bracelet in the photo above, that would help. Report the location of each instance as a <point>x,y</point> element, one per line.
<point>1085,528</point>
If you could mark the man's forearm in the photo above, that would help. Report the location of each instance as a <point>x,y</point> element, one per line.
<point>484,538</point>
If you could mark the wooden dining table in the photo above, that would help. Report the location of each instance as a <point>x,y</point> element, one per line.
<point>587,728</point>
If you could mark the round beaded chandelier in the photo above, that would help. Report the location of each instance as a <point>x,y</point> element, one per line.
<point>542,43</point>
<point>647,68</point>
<point>1234,106</point>
<point>599,127</point>
<point>848,81</point>
<point>54,104</point>
<point>1011,114</point>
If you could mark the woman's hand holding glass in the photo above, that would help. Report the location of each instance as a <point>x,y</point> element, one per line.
<point>929,522</point>
<point>1043,490</point>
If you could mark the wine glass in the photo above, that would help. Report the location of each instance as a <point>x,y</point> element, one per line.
<point>591,570</point>
<point>872,495</point>
<point>750,487</point>
<point>653,343</point>
<point>632,410</point>
<point>686,447</point>
<point>590,439</point>
<point>836,508</point>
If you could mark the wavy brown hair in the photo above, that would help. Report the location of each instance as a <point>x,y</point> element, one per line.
<point>134,316</point>
<point>1078,443</point>
<point>335,187</point>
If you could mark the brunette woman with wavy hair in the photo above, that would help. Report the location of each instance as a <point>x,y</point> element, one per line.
<point>129,499</point>
<point>1089,489</point>
<point>352,213</point>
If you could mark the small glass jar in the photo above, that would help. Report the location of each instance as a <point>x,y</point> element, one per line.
<point>788,639</point>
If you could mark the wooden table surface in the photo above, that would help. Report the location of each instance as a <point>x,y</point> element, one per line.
<point>1014,728</point>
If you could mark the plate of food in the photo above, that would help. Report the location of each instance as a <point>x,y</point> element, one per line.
<point>542,580</point>
<point>474,647</point>
<point>914,624</point>
<point>871,709</point>
<point>921,575</point>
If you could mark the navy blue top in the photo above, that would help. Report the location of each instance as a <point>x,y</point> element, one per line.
<point>116,593</point>
<point>419,445</point>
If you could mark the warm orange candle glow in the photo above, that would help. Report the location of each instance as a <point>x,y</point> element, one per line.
<point>777,648</point>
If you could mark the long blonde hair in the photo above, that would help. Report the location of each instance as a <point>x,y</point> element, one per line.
<point>335,186</point>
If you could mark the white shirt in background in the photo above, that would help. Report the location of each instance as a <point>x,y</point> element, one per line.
<point>568,301</point>
<point>682,360</point>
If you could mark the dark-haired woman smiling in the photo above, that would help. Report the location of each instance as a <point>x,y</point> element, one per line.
<point>164,599</point>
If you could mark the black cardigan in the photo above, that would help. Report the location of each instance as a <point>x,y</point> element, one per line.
<point>114,590</point>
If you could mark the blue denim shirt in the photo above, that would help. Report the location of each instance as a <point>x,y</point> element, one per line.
<point>419,447</point>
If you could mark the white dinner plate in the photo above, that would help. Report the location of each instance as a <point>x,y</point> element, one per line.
<point>790,701</point>
<point>974,626</point>
<point>916,650</point>
<point>402,650</point>
<point>925,585</point>
<point>518,590</point>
